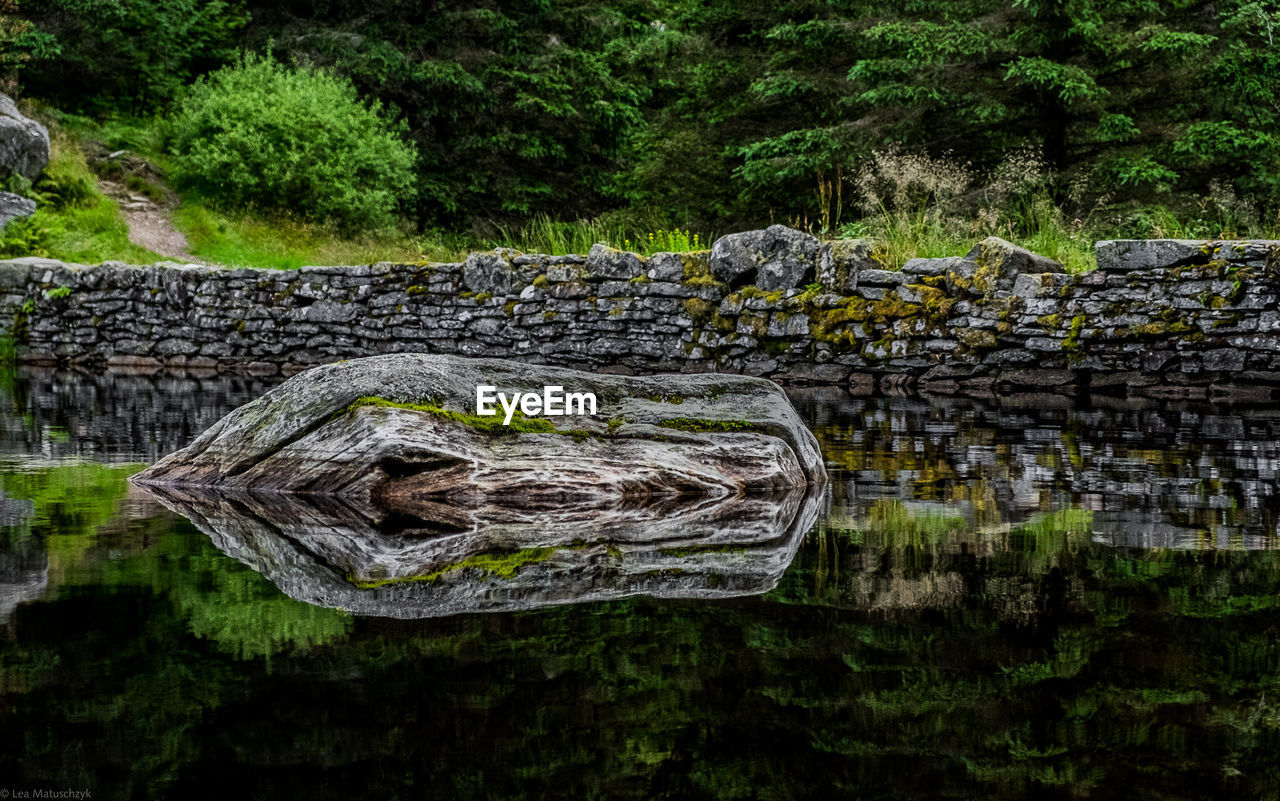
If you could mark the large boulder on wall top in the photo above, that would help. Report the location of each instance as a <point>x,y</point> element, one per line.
<point>402,432</point>
<point>24,143</point>
<point>777,257</point>
<point>996,264</point>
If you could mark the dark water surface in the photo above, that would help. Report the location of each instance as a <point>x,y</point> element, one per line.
<point>1009,599</point>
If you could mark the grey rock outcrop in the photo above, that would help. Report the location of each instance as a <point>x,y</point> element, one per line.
<point>998,263</point>
<point>24,143</point>
<point>14,207</point>
<point>707,435</point>
<point>777,257</point>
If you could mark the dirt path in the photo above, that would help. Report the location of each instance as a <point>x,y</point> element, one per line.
<point>150,223</point>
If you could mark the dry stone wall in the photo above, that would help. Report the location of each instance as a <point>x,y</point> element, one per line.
<point>1158,317</point>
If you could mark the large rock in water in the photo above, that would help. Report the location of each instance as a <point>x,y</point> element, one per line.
<point>399,432</point>
<point>24,143</point>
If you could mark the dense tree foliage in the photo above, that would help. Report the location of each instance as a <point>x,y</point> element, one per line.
<point>127,55</point>
<point>721,113</point>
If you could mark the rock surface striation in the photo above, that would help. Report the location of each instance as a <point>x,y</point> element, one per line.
<point>399,432</point>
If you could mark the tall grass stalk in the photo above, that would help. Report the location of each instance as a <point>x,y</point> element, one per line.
<point>558,237</point>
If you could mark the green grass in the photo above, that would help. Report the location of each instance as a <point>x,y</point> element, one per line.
<point>74,221</point>
<point>898,237</point>
<point>1038,225</point>
<point>541,234</point>
<point>286,243</point>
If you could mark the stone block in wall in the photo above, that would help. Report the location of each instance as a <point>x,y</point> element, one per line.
<point>777,257</point>
<point>327,311</point>
<point>14,273</point>
<point>840,262</point>
<point>998,263</point>
<point>661,289</point>
<point>931,267</point>
<point>613,264</point>
<point>494,274</point>
<point>565,273</point>
<point>1220,359</point>
<point>784,324</point>
<point>1250,251</point>
<point>666,267</point>
<point>882,278</point>
<point>1039,285</point>
<point>544,261</point>
<point>1038,379</point>
<point>1127,255</point>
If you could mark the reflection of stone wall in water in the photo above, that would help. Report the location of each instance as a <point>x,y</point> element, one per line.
<point>1160,317</point>
<point>1147,474</point>
<point>114,417</point>
<point>1166,473</point>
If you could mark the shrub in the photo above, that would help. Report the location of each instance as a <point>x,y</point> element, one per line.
<point>259,134</point>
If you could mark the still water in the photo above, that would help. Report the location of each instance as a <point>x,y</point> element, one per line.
<point>997,599</point>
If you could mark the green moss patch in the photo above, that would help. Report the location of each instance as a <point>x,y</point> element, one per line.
<point>488,425</point>
<point>694,424</point>
<point>501,564</point>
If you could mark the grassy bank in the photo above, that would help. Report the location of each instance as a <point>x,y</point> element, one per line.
<point>76,221</point>
<point>286,243</point>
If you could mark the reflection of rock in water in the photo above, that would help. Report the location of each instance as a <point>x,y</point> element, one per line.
<point>23,575</point>
<point>496,558</point>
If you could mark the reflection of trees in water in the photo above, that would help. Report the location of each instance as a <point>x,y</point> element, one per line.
<point>162,667</point>
<point>954,627</point>
<point>76,521</point>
